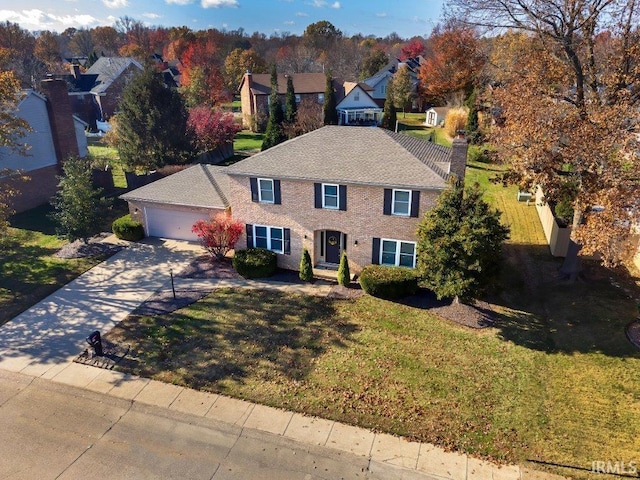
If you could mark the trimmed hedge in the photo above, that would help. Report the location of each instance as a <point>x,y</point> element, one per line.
<point>255,262</point>
<point>126,228</point>
<point>389,282</point>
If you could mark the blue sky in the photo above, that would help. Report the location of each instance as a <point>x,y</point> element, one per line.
<point>377,17</point>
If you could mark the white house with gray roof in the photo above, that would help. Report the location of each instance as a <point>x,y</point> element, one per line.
<point>355,189</point>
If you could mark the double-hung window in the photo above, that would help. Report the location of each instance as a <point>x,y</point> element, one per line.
<point>265,190</point>
<point>397,253</point>
<point>271,238</point>
<point>330,198</point>
<point>401,202</point>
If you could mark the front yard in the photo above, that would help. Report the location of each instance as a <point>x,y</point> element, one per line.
<point>554,380</point>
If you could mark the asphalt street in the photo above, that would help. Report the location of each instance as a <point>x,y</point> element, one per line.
<point>55,431</point>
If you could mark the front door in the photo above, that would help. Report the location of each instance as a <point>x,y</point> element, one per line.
<point>332,246</point>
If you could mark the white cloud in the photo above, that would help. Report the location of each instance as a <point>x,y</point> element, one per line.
<point>38,20</point>
<point>179,2</point>
<point>335,5</point>
<point>219,3</point>
<point>381,15</point>
<point>152,16</point>
<point>301,14</point>
<point>115,3</point>
<point>290,22</point>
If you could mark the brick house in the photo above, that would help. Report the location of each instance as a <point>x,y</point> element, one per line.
<point>55,135</point>
<point>338,188</point>
<point>96,93</point>
<point>255,89</point>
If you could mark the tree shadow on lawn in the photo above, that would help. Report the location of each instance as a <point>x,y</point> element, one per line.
<point>234,335</point>
<point>542,311</point>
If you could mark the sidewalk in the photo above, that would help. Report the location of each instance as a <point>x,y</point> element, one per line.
<point>44,340</point>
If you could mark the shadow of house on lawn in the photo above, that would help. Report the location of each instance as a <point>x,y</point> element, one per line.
<point>233,335</point>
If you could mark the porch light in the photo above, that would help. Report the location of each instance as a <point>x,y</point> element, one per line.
<point>356,243</point>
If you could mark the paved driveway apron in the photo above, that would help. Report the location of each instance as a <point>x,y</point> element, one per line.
<point>53,331</point>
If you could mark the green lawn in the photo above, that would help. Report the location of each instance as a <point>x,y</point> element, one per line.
<point>555,381</point>
<point>102,155</point>
<point>247,141</point>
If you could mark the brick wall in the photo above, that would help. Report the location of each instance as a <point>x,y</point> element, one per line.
<point>61,118</point>
<point>362,220</point>
<point>38,190</point>
<point>246,103</point>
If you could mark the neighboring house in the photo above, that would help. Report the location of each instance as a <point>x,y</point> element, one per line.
<point>56,134</point>
<point>435,116</point>
<point>170,206</point>
<point>380,80</point>
<point>255,90</point>
<point>357,107</point>
<point>338,188</point>
<point>96,93</point>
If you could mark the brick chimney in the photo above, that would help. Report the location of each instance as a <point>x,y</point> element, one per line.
<point>63,128</point>
<point>458,158</point>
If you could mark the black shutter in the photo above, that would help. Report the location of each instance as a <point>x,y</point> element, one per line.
<point>342,200</point>
<point>276,192</point>
<point>415,203</point>
<point>317,190</point>
<point>254,189</point>
<point>287,241</point>
<point>249,235</point>
<point>375,254</point>
<point>387,201</point>
<point>344,242</point>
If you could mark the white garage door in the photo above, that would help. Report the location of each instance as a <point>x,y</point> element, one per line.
<point>167,223</point>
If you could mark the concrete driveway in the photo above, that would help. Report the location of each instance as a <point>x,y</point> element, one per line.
<point>53,331</point>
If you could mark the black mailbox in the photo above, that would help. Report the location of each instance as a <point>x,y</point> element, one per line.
<point>95,342</point>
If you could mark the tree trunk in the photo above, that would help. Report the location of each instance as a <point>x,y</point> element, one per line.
<point>570,268</point>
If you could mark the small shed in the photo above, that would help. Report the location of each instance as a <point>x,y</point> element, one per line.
<point>435,116</point>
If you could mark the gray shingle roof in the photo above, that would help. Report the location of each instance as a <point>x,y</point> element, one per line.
<point>198,186</point>
<point>107,69</point>
<point>356,155</point>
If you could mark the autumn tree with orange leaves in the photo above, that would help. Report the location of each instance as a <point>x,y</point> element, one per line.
<point>449,74</point>
<point>201,76</point>
<point>568,97</point>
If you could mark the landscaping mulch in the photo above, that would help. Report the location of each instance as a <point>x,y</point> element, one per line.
<point>476,315</point>
<point>206,267</point>
<point>95,247</point>
<point>163,302</point>
<point>633,333</point>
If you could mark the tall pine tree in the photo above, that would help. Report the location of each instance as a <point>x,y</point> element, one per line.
<point>460,244</point>
<point>152,125</point>
<point>274,134</point>
<point>290,106</point>
<point>389,117</point>
<point>329,109</point>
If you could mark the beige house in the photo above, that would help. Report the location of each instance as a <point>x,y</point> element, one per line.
<point>359,190</point>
